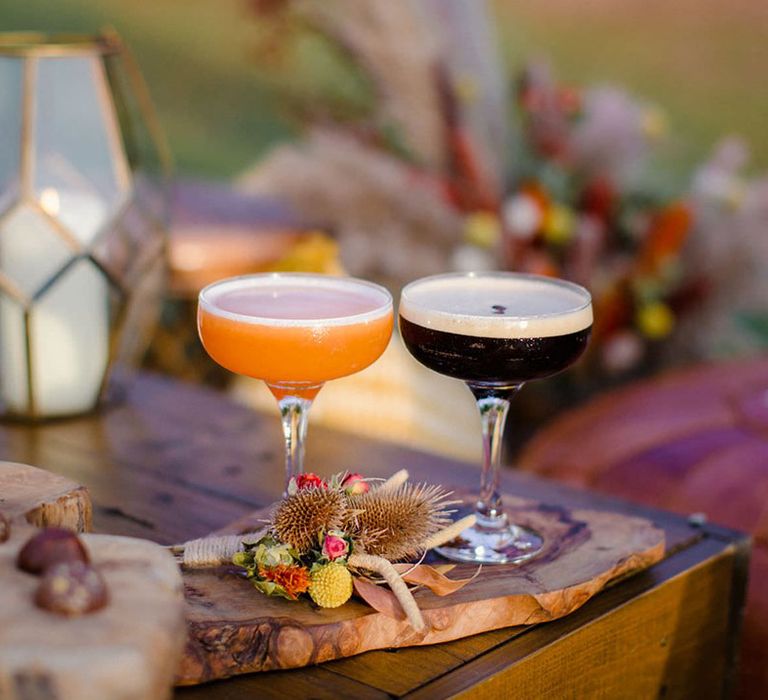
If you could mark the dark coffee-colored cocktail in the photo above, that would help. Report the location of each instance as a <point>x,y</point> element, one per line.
<point>494,331</point>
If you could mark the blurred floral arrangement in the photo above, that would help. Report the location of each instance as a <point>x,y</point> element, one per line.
<point>450,164</point>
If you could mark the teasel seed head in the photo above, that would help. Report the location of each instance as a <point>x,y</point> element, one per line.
<point>396,524</point>
<point>301,517</point>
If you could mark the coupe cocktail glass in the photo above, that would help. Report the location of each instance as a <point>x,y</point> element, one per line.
<point>295,332</point>
<point>495,331</point>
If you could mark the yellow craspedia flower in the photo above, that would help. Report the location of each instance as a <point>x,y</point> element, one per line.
<point>655,320</point>
<point>314,252</point>
<point>558,224</point>
<point>482,228</point>
<point>330,585</point>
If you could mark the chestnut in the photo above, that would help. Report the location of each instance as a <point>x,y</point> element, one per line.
<point>50,546</point>
<point>5,529</point>
<point>71,588</point>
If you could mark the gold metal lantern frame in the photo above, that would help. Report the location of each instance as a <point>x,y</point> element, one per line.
<point>83,220</point>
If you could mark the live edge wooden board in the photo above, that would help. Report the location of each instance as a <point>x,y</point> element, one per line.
<point>235,629</point>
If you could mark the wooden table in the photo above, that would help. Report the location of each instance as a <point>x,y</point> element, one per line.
<point>176,461</point>
<point>692,440</point>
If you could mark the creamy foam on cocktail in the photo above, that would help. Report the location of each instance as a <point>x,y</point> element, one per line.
<point>295,332</point>
<point>495,330</point>
<point>508,307</point>
<point>286,303</point>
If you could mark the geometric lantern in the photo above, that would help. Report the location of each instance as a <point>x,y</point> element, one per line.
<point>83,220</point>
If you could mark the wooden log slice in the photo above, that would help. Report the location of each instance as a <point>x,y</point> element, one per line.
<point>235,629</point>
<point>128,650</point>
<point>42,498</point>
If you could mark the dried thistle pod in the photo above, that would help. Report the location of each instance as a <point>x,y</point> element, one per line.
<point>300,517</point>
<point>397,523</point>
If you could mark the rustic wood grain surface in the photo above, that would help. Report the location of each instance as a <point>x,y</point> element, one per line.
<point>173,462</point>
<point>40,498</point>
<point>583,551</point>
<point>126,650</point>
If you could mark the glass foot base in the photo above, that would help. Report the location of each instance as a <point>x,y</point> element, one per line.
<point>510,544</point>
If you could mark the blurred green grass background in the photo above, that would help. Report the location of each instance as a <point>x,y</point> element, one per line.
<point>703,62</point>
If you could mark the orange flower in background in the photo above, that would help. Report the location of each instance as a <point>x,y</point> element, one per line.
<point>294,579</point>
<point>469,188</point>
<point>599,198</point>
<point>572,183</point>
<point>613,311</point>
<point>665,239</point>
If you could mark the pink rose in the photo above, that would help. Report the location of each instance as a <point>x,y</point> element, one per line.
<point>355,484</point>
<point>335,547</point>
<point>305,481</point>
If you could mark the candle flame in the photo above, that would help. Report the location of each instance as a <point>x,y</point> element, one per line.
<point>49,201</point>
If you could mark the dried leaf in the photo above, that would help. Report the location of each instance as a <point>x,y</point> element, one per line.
<point>429,576</point>
<point>379,598</point>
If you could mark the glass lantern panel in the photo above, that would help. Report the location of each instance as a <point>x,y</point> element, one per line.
<point>147,257</point>
<point>80,173</point>
<point>114,252</point>
<point>150,180</point>
<point>142,314</point>
<point>134,242</point>
<point>140,229</point>
<point>31,250</point>
<point>14,393</point>
<point>150,196</point>
<point>70,341</point>
<point>10,129</point>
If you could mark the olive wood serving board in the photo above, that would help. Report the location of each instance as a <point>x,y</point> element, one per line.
<point>235,629</point>
<point>127,650</point>
<point>42,498</point>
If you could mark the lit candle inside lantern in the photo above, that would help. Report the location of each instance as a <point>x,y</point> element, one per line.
<point>69,323</point>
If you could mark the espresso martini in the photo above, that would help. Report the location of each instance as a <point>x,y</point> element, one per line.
<point>494,331</point>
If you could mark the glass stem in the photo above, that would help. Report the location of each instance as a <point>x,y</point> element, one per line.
<point>493,404</point>
<point>294,412</point>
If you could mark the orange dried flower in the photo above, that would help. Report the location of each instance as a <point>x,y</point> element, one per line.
<point>665,239</point>
<point>293,578</point>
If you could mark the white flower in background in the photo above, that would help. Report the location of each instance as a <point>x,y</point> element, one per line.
<point>729,249</point>
<point>622,351</point>
<point>720,181</point>
<point>470,258</point>
<point>611,138</point>
<point>522,216</point>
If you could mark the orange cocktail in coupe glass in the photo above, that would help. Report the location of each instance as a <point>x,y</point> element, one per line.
<point>295,332</point>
